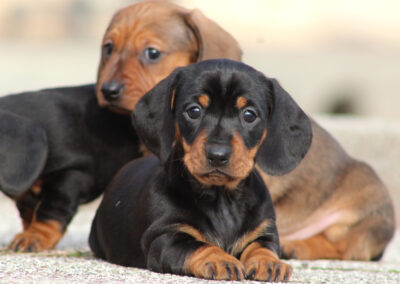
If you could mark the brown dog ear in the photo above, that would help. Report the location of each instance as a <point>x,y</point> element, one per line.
<point>213,41</point>
<point>289,133</point>
<point>153,117</point>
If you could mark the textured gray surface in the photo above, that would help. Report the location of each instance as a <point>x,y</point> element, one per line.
<point>375,141</point>
<point>62,267</point>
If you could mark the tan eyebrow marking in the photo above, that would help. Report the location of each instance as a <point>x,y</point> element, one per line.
<point>241,102</point>
<point>204,100</point>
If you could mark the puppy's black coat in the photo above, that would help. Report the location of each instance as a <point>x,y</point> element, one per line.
<point>204,210</point>
<point>63,139</point>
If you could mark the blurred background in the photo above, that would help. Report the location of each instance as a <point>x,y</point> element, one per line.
<point>333,56</point>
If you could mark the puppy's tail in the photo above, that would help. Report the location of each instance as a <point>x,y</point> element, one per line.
<point>23,153</point>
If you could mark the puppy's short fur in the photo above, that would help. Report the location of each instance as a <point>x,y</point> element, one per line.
<point>331,205</point>
<point>204,211</point>
<point>147,41</point>
<point>58,149</point>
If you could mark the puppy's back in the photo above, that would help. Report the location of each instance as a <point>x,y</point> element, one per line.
<point>108,233</point>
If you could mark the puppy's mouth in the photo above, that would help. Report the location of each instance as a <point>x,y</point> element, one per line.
<point>217,174</point>
<point>218,177</point>
<point>113,107</point>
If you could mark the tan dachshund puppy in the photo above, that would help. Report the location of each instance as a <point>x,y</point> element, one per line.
<point>145,42</point>
<point>70,165</point>
<point>330,206</point>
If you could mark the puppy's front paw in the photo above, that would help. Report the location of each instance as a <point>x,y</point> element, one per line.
<point>263,269</point>
<point>37,237</point>
<point>211,262</point>
<point>263,265</point>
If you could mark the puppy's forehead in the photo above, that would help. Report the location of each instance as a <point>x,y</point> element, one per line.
<point>223,86</point>
<point>147,11</point>
<point>153,20</point>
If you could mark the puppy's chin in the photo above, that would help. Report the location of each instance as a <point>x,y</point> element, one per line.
<point>217,178</point>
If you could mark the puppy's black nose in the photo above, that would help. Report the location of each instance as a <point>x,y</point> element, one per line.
<point>112,90</point>
<point>218,155</point>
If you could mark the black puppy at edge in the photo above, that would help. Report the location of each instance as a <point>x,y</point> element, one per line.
<point>204,210</point>
<point>62,147</point>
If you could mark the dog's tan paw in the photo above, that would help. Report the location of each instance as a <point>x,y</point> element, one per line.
<point>211,262</point>
<point>38,236</point>
<point>262,264</point>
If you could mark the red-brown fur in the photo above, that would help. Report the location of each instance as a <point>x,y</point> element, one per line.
<point>184,36</point>
<point>38,236</point>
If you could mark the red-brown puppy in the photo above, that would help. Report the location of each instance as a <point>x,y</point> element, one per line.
<point>145,42</point>
<point>330,206</point>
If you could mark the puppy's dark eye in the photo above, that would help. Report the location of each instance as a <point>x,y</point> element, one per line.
<point>108,49</point>
<point>152,54</point>
<point>194,111</point>
<point>249,115</point>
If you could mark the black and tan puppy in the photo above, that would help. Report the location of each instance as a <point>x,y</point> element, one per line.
<point>59,149</point>
<point>204,210</point>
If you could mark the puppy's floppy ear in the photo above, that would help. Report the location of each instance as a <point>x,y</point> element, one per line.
<point>213,41</point>
<point>153,116</point>
<point>289,133</point>
<point>23,153</point>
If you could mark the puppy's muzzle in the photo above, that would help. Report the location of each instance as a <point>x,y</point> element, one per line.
<point>112,90</point>
<point>218,155</point>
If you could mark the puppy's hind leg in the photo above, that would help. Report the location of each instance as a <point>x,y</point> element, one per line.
<point>27,204</point>
<point>56,208</point>
<point>316,247</point>
<point>366,240</point>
